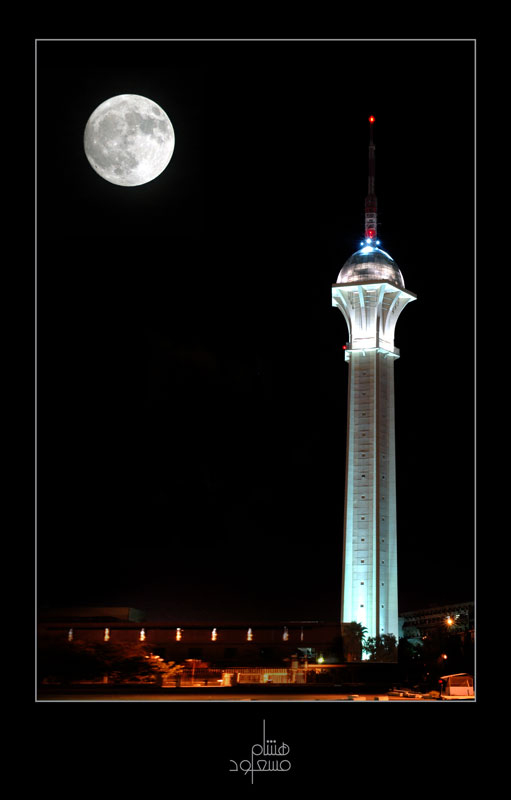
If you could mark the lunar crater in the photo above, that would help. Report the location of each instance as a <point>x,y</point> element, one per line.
<point>129,140</point>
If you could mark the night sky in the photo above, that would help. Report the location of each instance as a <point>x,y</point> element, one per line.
<point>191,380</point>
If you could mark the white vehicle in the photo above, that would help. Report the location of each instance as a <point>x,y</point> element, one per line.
<point>457,687</point>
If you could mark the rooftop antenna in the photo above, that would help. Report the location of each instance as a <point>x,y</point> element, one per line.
<point>371,205</point>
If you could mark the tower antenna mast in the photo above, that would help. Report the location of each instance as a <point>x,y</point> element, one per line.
<point>371,205</point>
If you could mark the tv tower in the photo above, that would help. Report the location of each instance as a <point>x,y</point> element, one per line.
<point>371,294</point>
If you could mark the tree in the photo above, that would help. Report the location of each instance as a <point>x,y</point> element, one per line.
<point>381,648</point>
<point>410,659</point>
<point>65,662</point>
<point>447,651</point>
<point>353,635</point>
<point>125,662</point>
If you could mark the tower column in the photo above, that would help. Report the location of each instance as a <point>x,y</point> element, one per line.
<point>369,585</point>
<point>369,594</point>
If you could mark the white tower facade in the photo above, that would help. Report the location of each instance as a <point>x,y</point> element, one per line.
<point>371,294</point>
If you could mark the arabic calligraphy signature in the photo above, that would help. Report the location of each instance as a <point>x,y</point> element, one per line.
<point>267,748</point>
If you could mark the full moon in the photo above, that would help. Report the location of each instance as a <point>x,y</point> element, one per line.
<point>129,140</point>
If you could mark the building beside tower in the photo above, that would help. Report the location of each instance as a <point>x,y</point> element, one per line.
<point>371,294</point>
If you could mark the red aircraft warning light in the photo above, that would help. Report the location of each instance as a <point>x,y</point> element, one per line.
<point>371,120</point>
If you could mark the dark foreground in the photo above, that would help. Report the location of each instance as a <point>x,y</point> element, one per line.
<point>263,692</point>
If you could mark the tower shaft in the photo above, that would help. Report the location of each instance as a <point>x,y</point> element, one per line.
<point>369,586</point>
<point>369,591</point>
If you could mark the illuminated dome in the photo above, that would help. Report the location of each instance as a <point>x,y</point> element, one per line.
<point>370,263</point>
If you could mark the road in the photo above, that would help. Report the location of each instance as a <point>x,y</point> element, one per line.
<point>202,696</point>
